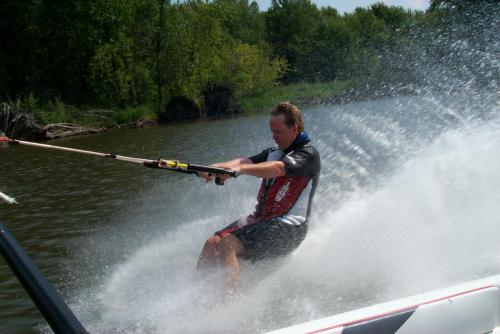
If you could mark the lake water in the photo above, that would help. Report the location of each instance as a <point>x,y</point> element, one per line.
<point>408,201</point>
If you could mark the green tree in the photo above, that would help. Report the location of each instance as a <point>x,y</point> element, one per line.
<point>248,70</point>
<point>193,41</point>
<point>242,20</point>
<point>18,47</point>
<point>330,51</point>
<point>290,24</point>
<point>142,35</point>
<point>109,69</point>
<point>110,76</point>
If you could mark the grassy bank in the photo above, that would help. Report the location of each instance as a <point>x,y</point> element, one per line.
<point>299,93</point>
<point>57,112</point>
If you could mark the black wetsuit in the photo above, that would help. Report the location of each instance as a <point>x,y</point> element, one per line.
<point>279,223</point>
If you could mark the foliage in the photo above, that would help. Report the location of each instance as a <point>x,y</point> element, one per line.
<point>109,77</point>
<point>123,54</point>
<point>290,25</point>
<point>55,111</point>
<point>248,71</point>
<point>132,114</point>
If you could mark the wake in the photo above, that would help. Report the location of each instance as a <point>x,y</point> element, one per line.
<point>431,223</point>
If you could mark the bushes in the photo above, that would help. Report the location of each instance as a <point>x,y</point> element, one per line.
<point>119,54</point>
<point>55,111</point>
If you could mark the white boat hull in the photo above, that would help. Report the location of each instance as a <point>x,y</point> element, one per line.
<point>467,308</point>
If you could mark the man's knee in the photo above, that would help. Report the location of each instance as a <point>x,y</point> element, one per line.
<point>230,244</point>
<point>213,241</point>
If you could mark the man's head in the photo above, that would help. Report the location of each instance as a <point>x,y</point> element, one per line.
<point>286,123</point>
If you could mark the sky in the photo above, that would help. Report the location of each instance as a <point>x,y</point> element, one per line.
<point>349,5</point>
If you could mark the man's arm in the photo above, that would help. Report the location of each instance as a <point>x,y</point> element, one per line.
<point>304,161</point>
<point>265,170</point>
<point>233,164</point>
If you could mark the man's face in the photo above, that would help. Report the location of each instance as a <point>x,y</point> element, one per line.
<point>282,134</point>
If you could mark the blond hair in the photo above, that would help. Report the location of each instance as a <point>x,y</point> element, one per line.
<point>292,114</point>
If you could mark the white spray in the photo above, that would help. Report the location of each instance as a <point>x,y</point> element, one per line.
<point>430,223</point>
<point>7,199</point>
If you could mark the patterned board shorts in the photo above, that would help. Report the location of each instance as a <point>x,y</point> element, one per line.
<point>267,239</point>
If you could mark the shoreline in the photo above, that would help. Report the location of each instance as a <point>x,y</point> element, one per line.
<point>23,125</point>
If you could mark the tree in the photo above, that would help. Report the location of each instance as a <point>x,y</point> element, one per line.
<point>142,34</point>
<point>18,47</point>
<point>248,70</point>
<point>330,50</point>
<point>290,24</point>
<point>110,76</point>
<point>242,20</point>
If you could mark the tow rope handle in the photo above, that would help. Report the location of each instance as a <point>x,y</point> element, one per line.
<point>191,168</point>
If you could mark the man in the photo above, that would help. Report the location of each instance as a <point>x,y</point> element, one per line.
<point>279,224</point>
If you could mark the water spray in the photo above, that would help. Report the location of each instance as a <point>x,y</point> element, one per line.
<point>7,199</point>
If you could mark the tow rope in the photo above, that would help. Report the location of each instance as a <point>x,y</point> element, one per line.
<point>171,165</point>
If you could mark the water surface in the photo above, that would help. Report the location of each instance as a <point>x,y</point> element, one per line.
<point>408,201</point>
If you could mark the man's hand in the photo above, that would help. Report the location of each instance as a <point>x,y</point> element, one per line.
<point>232,165</point>
<point>206,176</point>
<point>209,177</point>
<point>220,178</point>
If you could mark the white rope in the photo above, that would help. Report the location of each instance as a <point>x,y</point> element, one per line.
<point>104,155</point>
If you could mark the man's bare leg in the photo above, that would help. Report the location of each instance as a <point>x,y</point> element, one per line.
<point>230,248</point>
<point>208,256</point>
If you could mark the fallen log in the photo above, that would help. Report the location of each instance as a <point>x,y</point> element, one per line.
<point>19,125</point>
